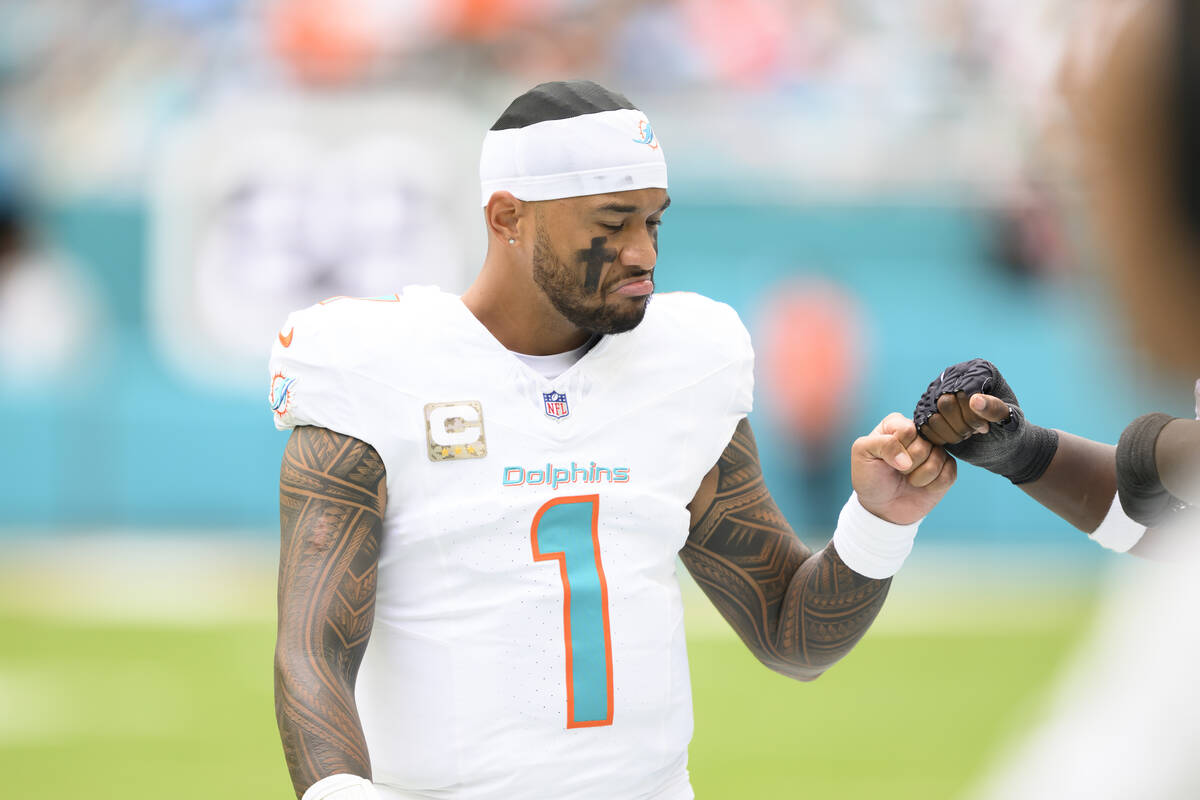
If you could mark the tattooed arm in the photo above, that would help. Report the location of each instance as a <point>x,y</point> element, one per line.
<point>332,496</point>
<point>799,611</point>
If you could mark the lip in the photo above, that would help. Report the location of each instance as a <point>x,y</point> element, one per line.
<point>635,287</point>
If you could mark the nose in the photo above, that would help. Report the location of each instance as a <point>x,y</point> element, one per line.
<point>641,250</point>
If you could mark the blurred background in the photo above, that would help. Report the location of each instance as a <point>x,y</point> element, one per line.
<point>878,188</point>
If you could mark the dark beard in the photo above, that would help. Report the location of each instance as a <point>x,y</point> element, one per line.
<point>568,296</point>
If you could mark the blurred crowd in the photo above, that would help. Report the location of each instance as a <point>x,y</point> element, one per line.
<point>800,99</point>
<point>88,89</point>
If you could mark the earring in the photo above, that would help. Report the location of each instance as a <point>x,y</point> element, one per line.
<point>512,241</point>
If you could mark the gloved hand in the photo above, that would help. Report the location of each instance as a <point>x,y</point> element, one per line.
<point>972,411</point>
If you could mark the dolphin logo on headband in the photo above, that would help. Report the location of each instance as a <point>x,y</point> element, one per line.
<point>647,135</point>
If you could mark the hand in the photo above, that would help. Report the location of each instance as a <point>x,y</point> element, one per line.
<point>898,475</point>
<point>972,411</point>
<point>958,417</point>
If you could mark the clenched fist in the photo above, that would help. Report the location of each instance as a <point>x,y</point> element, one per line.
<point>898,475</point>
<point>972,411</point>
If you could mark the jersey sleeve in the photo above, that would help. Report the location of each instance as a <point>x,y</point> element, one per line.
<point>720,354</point>
<point>741,401</point>
<point>312,383</point>
<point>733,384</point>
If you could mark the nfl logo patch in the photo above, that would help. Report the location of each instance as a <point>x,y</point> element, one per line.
<point>556,404</point>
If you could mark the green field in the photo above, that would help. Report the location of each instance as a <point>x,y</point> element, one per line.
<point>109,694</point>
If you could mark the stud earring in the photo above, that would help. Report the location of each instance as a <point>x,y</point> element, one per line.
<point>512,241</point>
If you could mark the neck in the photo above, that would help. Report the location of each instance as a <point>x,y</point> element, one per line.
<point>517,312</point>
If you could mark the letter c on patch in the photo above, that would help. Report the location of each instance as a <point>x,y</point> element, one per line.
<point>466,430</point>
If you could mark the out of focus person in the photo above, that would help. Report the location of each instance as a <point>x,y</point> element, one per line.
<point>48,313</point>
<point>1125,722</point>
<point>1133,85</point>
<point>811,360</point>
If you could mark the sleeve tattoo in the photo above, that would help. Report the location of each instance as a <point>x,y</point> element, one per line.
<point>332,495</point>
<point>797,611</point>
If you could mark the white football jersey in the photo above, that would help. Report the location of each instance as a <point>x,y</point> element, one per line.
<point>528,638</point>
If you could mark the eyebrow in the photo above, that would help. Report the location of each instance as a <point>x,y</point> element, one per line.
<point>622,208</point>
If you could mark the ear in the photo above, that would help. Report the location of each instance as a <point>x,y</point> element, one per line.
<point>503,214</point>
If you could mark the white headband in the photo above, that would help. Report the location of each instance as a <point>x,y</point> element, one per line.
<point>608,151</point>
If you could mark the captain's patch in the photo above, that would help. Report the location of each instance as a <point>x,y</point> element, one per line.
<point>454,430</point>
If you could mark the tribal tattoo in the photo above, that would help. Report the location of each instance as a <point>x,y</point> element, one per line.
<point>797,611</point>
<point>594,258</point>
<point>332,496</point>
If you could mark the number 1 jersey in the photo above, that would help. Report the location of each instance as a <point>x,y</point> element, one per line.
<point>528,639</point>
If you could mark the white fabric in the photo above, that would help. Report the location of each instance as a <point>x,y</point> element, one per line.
<point>341,787</point>
<point>1118,532</point>
<point>609,151</point>
<point>551,366</point>
<point>462,691</point>
<point>1124,718</point>
<point>869,545</point>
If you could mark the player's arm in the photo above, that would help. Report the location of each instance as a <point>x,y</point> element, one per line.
<point>973,413</point>
<point>332,496</point>
<point>799,611</point>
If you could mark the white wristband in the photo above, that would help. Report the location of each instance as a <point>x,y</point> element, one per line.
<point>341,787</point>
<point>1118,532</point>
<point>869,545</point>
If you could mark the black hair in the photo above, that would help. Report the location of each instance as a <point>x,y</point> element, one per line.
<point>559,100</point>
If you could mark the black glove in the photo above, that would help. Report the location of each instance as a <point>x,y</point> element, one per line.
<point>1015,448</point>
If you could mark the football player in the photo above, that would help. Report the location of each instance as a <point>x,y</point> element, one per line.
<point>1125,719</point>
<point>483,498</point>
<point>1138,496</point>
<point>1132,84</point>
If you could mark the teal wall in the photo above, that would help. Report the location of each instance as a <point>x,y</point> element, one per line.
<point>128,442</point>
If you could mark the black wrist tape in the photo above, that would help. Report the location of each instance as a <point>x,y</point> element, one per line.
<point>1142,495</point>
<point>1014,448</point>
